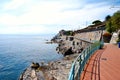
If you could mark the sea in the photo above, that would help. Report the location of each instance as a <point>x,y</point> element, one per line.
<point>17,52</point>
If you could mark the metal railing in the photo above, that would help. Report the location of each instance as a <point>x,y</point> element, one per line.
<point>81,60</point>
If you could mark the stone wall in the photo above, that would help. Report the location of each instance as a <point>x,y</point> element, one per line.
<point>79,41</point>
<point>91,36</point>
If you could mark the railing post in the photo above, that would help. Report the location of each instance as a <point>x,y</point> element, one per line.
<point>73,71</point>
<point>78,77</point>
<point>80,66</point>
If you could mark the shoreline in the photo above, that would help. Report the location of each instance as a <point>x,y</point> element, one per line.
<point>54,70</point>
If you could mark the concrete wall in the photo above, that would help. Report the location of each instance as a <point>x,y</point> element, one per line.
<point>91,36</point>
<point>77,44</point>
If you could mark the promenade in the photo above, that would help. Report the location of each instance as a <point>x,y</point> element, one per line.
<point>103,65</point>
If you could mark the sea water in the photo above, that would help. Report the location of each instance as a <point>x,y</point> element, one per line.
<point>18,51</point>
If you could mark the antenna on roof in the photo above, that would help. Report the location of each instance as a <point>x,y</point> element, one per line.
<point>113,6</point>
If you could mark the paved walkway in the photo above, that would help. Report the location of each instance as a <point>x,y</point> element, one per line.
<point>104,64</point>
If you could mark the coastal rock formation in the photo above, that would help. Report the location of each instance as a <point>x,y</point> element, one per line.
<point>79,39</point>
<point>31,74</point>
<point>35,65</point>
<point>59,70</point>
<point>75,44</point>
<point>68,52</point>
<point>55,70</point>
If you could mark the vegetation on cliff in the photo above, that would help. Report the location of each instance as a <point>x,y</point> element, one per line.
<point>113,23</point>
<point>67,33</point>
<point>96,22</point>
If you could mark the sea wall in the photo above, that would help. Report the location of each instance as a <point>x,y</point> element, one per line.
<point>79,41</point>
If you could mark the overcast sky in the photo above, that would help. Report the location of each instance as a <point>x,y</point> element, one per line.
<point>50,16</point>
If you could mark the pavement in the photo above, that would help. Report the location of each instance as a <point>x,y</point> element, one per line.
<point>103,65</point>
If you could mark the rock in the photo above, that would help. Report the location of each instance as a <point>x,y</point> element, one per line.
<point>68,52</point>
<point>55,70</point>
<point>68,66</point>
<point>33,75</point>
<point>35,65</point>
<point>40,75</point>
<point>53,78</point>
<point>67,57</point>
<point>42,63</point>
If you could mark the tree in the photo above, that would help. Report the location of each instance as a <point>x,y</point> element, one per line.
<point>109,27</point>
<point>96,22</point>
<point>69,33</point>
<point>113,23</point>
<point>116,20</point>
<point>107,18</point>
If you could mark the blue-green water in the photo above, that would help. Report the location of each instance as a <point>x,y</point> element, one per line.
<point>18,51</point>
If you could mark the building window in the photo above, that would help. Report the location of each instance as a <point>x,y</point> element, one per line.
<point>81,43</point>
<point>66,38</point>
<point>71,38</point>
<point>77,43</point>
<point>73,42</point>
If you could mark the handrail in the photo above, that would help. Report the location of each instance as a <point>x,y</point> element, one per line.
<point>81,60</point>
<point>85,40</point>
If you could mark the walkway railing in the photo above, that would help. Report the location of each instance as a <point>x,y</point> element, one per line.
<point>81,60</point>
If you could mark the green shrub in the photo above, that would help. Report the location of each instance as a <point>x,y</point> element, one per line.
<point>107,37</point>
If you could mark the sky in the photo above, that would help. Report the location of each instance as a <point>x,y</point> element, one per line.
<point>50,16</point>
